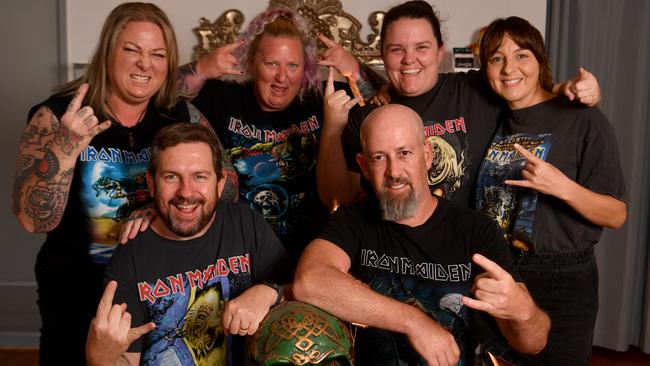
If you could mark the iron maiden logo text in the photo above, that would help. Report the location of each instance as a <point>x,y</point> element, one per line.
<point>432,271</point>
<point>197,278</point>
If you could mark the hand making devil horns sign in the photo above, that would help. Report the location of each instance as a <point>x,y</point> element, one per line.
<point>540,176</point>
<point>78,124</point>
<point>110,333</point>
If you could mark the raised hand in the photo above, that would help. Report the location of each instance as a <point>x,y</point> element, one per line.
<point>336,104</point>
<point>497,293</point>
<point>584,87</point>
<point>78,124</point>
<point>110,333</point>
<point>541,176</point>
<point>221,61</point>
<point>382,97</point>
<point>338,57</point>
<point>138,221</point>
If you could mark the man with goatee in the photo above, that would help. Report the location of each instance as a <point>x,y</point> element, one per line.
<point>420,272</point>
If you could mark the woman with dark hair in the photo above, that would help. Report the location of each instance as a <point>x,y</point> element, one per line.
<point>78,179</point>
<point>459,111</point>
<point>552,180</point>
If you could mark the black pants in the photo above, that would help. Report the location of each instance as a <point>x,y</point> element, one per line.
<point>565,285</point>
<point>69,289</point>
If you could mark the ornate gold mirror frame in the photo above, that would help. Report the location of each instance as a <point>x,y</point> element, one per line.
<point>326,17</point>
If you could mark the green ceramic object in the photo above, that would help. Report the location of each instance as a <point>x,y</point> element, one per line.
<point>295,333</point>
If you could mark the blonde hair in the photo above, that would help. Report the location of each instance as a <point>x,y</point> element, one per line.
<point>97,74</point>
<point>283,21</point>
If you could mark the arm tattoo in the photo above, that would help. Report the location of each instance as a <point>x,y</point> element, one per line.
<point>32,154</point>
<point>82,112</point>
<point>48,167</point>
<point>366,89</point>
<point>54,121</point>
<point>33,138</point>
<point>24,168</point>
<point>186,71</point>
<point>67,139</point>
<point>46,201</point>
<point>369,81</point>
<point>230,191</point>
<point>195,115</point>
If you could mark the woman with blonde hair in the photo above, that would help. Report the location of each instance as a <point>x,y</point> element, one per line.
<point>81,167</point>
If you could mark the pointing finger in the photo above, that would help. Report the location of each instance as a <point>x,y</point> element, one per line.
<point>329,87</point>
<point>326,41</point>
<point>526,154</point>
<point>100,128</point>
<point>106,301</point>
<point>235,45</point>
<point>474,304</point>
<point>78,98</point>
<point>352,102</point>
<point>494,270</point>
<point>135,333</point>
<point>518,183</point>
<point>324,62</point>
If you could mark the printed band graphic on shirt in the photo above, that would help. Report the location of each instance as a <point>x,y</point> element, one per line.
<point>113,184</point>
<point>441,302</point>
<point>189,326</point>
<point>449,164</point>
<point>271,166</point>
<point>511,207</point>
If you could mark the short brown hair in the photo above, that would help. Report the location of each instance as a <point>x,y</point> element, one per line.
<point>178,133</point>
<point>525,36</point>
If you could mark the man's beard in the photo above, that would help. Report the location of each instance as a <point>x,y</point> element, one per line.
<point>396,208</point>
<point>180,227</point>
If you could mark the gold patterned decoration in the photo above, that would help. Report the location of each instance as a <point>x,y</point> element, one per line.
<point>325,16</point>
<point>222,31</point>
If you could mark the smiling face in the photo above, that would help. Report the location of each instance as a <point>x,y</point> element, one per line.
<point>395,159</point>
<point>185,190</point>
<point>514,73</point>
<point>139,64</point>
<point>277,71</point>
<point>411,56</point>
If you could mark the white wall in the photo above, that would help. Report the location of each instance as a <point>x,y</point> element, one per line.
<point>461,18</point>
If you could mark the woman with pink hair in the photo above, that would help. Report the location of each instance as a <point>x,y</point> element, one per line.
<point>271,124</point>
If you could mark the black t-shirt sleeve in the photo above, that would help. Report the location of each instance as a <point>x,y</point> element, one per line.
<point>600,166</point>
<point>343,229</point>
<point>492,245</point>
<point>271,262</point>
<point>121,268</point>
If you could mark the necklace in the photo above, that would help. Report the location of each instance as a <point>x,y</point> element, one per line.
<point>129,130</point>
